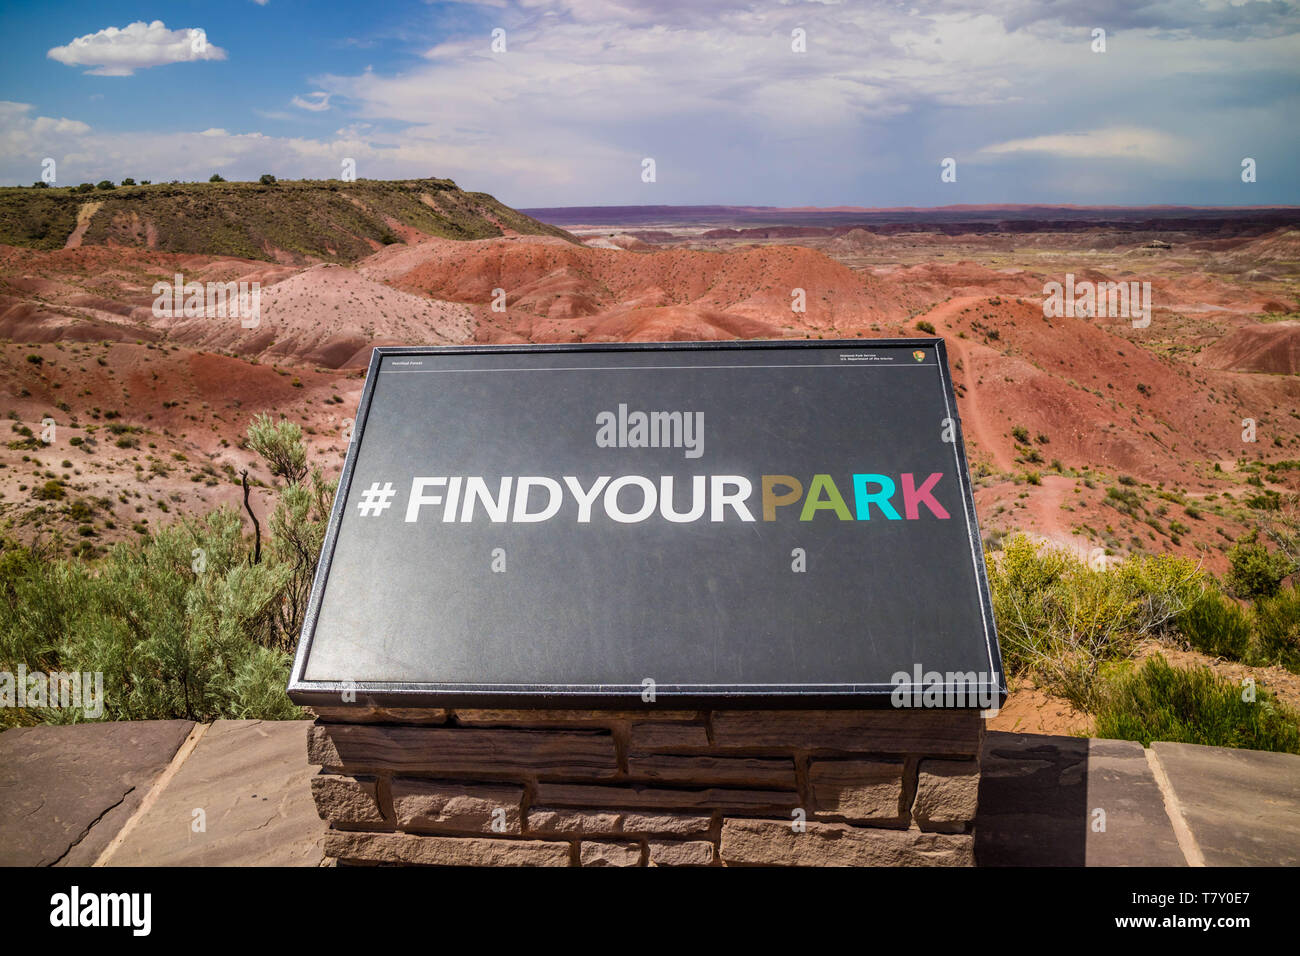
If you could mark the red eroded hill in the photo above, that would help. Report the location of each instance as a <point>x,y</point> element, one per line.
<point>1272,347</point>
<point>104,293</point>
<point>329,315</point>
<point>1097,398</point>
<point>555,290</point>
<point>321,315</point>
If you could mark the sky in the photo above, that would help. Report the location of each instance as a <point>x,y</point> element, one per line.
<point>736,102</point>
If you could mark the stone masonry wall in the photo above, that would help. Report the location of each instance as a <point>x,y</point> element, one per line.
<point>671,788</point>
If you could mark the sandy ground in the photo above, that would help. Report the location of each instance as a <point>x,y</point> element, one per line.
<point>1029,710</point>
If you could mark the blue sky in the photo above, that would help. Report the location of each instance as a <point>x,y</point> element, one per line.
<point>715,91</point>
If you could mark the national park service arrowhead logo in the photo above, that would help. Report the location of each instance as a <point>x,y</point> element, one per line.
<point>918,355</point>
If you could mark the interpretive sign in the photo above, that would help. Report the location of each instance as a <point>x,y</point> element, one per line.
<point>744,523</point>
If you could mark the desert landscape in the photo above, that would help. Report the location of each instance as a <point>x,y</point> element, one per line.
<point>1087,431</point>
<point>1108,436</point>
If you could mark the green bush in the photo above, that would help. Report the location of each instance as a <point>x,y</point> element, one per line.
<point>1217,626</point>
<point>1254,571</point>
<point>173,636</point>
<point>52,490</point>
<point>1277,629</point>
<point>185,623</point>
<point>1195,706</point>
<point>926,327</point>
<point>1061,620</point>
<point>281,445</point>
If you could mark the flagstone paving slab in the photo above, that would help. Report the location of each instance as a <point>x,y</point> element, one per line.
<point>1070,801</point>
<point>1241,806</point>
<point>66,791</point>
<point>242,798</point>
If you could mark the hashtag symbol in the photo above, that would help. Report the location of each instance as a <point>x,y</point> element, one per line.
<point>375,499</point>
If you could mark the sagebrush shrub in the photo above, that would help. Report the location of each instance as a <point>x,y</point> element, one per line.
<point>1060,619</point>
<point>1277,629</point>
<point>1192,705</point>
<point>183,623</point>
<point>1217,626</point>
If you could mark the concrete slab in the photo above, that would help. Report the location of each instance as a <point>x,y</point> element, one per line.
<point>1039,797</point>
<point>65,791</point>
<point>252,782</point>
<point>1241,806</point>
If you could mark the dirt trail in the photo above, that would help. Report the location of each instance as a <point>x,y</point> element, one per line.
<point>973,420</point>
<point>84,215</point>
<point>1046,507</point>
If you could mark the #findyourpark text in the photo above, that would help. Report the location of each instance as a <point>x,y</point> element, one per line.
<point>628,499</point>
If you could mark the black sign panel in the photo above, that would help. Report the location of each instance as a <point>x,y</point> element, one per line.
<point>750,523</point>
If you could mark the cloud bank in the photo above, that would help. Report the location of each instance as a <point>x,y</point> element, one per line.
<point>771,103</point>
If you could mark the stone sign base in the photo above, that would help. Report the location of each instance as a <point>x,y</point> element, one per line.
<point>638,788</point>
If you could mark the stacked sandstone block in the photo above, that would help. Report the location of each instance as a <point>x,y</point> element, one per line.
<point>670,788</point>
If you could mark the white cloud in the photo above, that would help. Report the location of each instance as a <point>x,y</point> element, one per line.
<point>120,52</point>
<point>315,102</point>
<point>1146,145</point>
<point>34,137</point>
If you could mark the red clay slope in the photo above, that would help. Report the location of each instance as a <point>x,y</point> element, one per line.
<point>556,291</point>
<point>1272,347</point>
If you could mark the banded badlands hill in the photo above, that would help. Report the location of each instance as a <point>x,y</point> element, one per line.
<point>1089,431</point>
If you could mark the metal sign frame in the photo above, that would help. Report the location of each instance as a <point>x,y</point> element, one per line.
<point>629,696</point>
